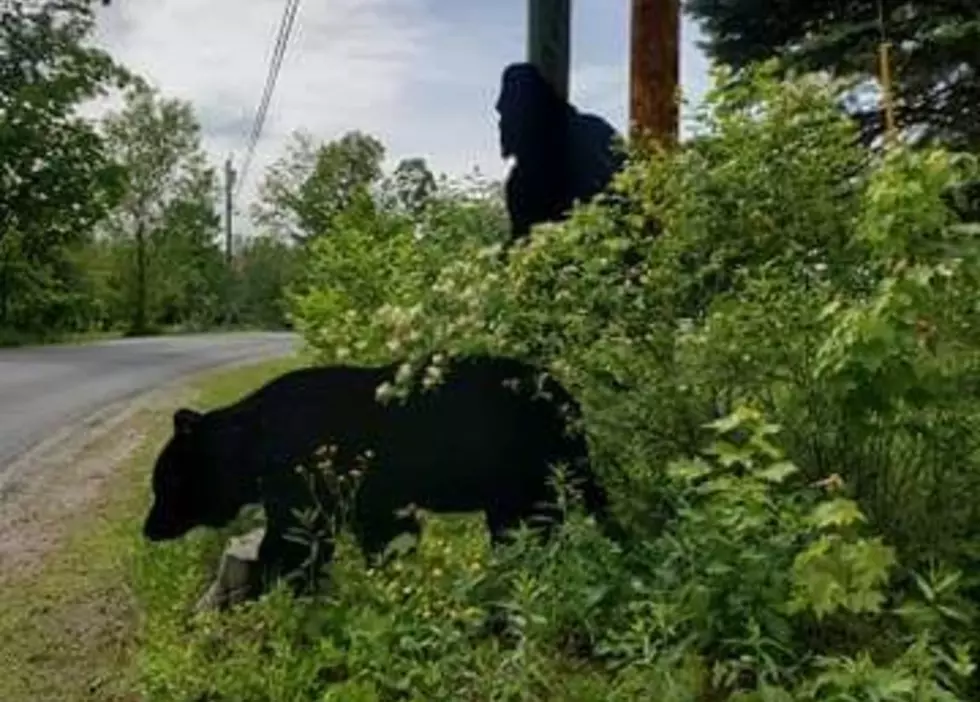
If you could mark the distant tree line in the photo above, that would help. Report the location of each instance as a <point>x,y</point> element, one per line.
<point>111,224</point>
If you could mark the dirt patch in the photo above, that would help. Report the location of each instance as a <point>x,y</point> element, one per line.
<point>65,476</point>
<point>68,621</point>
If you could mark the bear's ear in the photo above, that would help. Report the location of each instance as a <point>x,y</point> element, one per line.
<point>185,420</point>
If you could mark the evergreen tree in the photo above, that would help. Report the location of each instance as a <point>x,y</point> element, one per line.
<point>935,52</point>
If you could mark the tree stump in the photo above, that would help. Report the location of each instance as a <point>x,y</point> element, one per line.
<point>238,575</point>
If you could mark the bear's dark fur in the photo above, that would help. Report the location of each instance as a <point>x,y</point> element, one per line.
<point>474,443</point>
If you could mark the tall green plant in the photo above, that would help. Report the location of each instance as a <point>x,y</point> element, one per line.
<point>787,269</point>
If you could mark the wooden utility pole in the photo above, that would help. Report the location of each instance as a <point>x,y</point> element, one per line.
<point>229,187</point>
<point>655,69</point>
<point>549,25</point>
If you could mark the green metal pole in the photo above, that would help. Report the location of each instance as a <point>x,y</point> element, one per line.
<point>549,40</point>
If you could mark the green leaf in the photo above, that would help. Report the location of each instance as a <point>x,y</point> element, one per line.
<point>689,470</point>
<point>778,472</point>
<point>836,512</point>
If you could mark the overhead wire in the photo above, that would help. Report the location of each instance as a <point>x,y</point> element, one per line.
<point>275,65</point>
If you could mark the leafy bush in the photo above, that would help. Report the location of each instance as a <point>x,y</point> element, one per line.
<point>734,594</point>
<point>788,270</point>
<point>768,273</point>
<point>376,258</point>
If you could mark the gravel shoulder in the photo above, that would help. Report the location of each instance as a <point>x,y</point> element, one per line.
<point>68,622</point>
<point>64,475</point>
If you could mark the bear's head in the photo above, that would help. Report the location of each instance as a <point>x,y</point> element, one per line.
<point>191,483</point>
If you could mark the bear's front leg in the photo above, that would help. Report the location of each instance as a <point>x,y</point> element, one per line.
<point>298,559</point>
<point>299,541</point>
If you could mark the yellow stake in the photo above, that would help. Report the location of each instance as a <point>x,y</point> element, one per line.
<point>884,60</point>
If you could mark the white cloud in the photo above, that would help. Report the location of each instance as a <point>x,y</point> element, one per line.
<point>349,64</point>
<point>420,75</point>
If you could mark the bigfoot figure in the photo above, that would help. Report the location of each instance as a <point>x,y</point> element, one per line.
<point>562,156</point>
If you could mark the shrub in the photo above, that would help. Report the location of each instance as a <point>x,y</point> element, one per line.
<point>769,274</point>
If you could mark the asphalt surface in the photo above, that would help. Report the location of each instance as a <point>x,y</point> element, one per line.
<point>43,389</point>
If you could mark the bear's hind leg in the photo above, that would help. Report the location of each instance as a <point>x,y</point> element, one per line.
<point>541,516</point>
<point>374,535</point>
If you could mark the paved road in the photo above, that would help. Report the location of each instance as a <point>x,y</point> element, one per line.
<point>43,389</point>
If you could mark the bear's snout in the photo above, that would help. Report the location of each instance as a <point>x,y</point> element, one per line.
<point>157,528</point>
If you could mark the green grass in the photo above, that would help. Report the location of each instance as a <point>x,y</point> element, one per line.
<point>15,339</point>
<point>412,631</point>
<point>70,629</point>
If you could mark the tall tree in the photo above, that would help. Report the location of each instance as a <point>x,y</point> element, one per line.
<point>55,178</point>
<point>266,268</point>
<point>304,191</point>
<point>157,142</point>
<point>935,52</point>
<point>189,280</point>
<point>279,203</point>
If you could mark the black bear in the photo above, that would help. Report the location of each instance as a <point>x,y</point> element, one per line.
<point>562,155</point>
<point>484,439</point>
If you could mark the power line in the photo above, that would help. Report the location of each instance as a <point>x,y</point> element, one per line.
<point>275,64</point>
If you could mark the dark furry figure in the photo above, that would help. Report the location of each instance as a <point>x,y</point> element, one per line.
<point>476,442</point>
<point>561,154</point>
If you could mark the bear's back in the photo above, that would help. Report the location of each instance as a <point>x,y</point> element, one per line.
<point>281,424</point>
<point>475,415</point>
<point>479,418</point>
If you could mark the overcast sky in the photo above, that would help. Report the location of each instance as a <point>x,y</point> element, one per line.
<point>421,75</point>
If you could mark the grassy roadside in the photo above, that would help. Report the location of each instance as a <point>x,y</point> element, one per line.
<point>10,339</point>
<point>105,618</point>
<point>68,629</point>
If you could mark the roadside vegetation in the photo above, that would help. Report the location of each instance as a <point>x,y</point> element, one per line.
<point>774,330</point>
<point>781,395</point>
